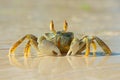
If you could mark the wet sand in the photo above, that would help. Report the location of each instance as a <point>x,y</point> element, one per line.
<point>100,18</point>
<point>57,68</point>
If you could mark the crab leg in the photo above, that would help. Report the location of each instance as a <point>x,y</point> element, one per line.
<point>94,48</point>
<point>35,44</point>
<point>27,49</point>
<point>30,37</point>
<point>87,47</point>
<point>12,49</point>
<point>105,48</point>
<point>83,46</point>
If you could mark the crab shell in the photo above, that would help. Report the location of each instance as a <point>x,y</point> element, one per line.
<point>61,39</point>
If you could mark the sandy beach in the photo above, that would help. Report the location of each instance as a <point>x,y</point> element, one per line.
<point>96,17</point>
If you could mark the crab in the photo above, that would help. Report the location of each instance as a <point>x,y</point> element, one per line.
<point>60,43</point>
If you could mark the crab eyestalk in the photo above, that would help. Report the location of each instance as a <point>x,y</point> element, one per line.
<point>65,26</point>
<point>52,27</point>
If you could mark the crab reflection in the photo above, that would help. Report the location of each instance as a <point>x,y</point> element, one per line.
<point>48,64</point>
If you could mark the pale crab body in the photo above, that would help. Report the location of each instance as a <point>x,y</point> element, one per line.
<point>60,43</point>
<point>61,39</point>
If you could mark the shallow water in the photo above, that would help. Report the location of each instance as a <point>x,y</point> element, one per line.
<point>96,17</point>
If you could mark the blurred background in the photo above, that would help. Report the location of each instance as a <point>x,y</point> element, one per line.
<point>89,17</point>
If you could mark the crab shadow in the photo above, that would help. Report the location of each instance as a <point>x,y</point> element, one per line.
<point>100,54</point>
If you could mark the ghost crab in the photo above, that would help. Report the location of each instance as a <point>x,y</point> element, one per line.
<point>59,42</point>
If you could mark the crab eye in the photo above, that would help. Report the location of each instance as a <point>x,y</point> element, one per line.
<point>52,27</point>
<point>65,26</point>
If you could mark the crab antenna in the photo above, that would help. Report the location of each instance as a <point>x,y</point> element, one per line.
<point>52,27</point>
<point>65,26</point>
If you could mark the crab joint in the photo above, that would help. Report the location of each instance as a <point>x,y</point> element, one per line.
<point>65,26</point>
<point>52,27</point>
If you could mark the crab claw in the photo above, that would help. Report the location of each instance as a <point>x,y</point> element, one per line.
<point>48,48</point>
<point>76,46</point>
